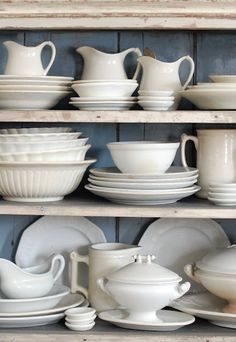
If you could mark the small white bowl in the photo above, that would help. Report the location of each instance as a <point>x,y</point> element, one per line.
<point>81,312</point>
<point>81,320</point>
<point>156,98</point>
<point>143,156</point>
<point>163,93</point>
<point>158,105</point>
<point>80,327</point>
<point>106,89</point>
<point>104,81</point>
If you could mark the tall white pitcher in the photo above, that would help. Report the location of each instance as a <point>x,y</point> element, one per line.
<point>216,156</point>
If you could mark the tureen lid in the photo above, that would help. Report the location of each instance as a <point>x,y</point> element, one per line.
<point>144,271</point>
<point>222,260</point>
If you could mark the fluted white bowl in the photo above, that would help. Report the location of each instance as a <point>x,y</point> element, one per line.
<point>34,130</point>
<point>38,137</point>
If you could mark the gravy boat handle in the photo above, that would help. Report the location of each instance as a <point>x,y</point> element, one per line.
<point>58,258</point>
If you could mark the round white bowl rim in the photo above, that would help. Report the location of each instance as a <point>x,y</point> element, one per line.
<point>79,325</point>
<point>80,311</point>
<point>103,81</point>
<point>145,145</point>
<point>80,318</point>
<point>38,142</point>
<point>104,84</point>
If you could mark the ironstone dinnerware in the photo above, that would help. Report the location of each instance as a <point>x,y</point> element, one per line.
<point>216,271</point>
<point>80,319</point>
<point>26,322</point>
<point>102,99</point>
<point>223,78</point>
<point>37,88</point>
<point>36,137</point>
<point>35,130</point>
<point>143,156</point>
<point>157,105</point>
<point>105,105</point>
<point>143,287</point>
<point>103,81</point>
<point>80,327</point>
<point>223,194</point>
<point>80,314</point>
<point>35,78</point>
<point>156,93</point>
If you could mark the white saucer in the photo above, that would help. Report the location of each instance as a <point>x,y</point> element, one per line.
<point>172,320</point>
<point>102,99</point>
<point>207,306</point>
<point>223,201</point>
<point>112,105</point>
<point>36,78</point>
<point>34,321</point>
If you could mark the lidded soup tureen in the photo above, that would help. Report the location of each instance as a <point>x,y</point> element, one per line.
<point>216,271</point>
<point>143,287</point>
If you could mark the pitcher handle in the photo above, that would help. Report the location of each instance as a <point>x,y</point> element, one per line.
<point>60,258</point>
<point>75,259</point>
<point>184,139</point>
<point>53,55</point>
<point>187,58</point>
<point>139,54</point>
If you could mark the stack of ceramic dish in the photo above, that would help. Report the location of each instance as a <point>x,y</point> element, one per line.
<point>217,95</point>
<point>80,319</point>
<point>50,159</point>
<point>158,100</point>
<point>222,194</point>
<point>104,95</point>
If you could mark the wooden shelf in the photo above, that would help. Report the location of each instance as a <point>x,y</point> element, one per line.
<point>115,14</point>
<point>129,116</point>
<point>200,331</point>
<point>95,206</point>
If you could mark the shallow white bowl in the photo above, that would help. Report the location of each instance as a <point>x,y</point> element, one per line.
<point>143,156</point>
<point>81,320</point>
<point>158,105</point>
<point>106,105</point>
<point>80,327</point>
<point>106,89</point>
<point>28,137</point>
<point>40,182</point>
<point>162,93</point>
<point>223,78</point>
<point>31,87</point>
<point>34,130</point>
<point>104,81</point>
<point>80,313</point>
<point>156,98</point>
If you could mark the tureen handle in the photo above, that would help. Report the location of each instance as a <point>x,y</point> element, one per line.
<point>102,283</point>
<point>190,270</point>
<point>183,288</point>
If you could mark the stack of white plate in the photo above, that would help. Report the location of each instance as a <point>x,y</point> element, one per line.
<point>217,95</point>
<point>158,100</point>
<point>143,189</point>
<point>104,95</point>
<point>223,194</point>
<point>41,164</point>
<point>32,92</point>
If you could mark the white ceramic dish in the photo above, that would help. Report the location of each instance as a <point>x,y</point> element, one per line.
<point>207,306</point>
<point>28,137</point>
<point>142,197</point>
<point>36,78</point>
<point>105,81</point>
<point>72,155</point>
<point>36,88</point>
<point>156,98</point>
<point>80,314</point>
<point>145,157</point>
<point>73,233</point>
<point>81,321</point>
<point>162,93</point>
<point>143,186</point>
<point>35,130</point>
<point>213,86</point>
<point>222,195</point>
<point>102,99</point>
<point>223,201</point>
<point>186,240</point>
<point>35,304</point>
<point>80,327</point>
<point>13,99</point>
<point>173,172</point>
<point>34,82</point>
<point>26,322</point>
<point>223,78</point>
<point>171,320</point>
<point>157,105</point>
<point>108,89</point>
<point>40,145</point>
<point>39,181</point>
<point>125,105</point>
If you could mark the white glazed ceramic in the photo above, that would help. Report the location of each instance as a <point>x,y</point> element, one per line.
<point>80,314</point>
<point>143,156</point>
<point>34,81</point>
<point>223,78</point>
<point>29,78</point>
<point>80,327</point>
<point>155,98</point>
<point>72,155</point>
<point>216,162</point>
<point>39,88</point>
<point>46,181</point>
<point>104,81</point>
<point>157,105</point>
<point>159,76</point>
<point>20,284</point>
<point>154,93</point>
<point>80,319</point>
<point>38,137</point>
<point>102,259</point>
<point>107,89</point>
<point>223,201</point>
<point>216,271</point>
<point>26,322</point>
<point>167,320</point>
<point>213,86</point>
<point>35,130</point>
<point>143,288</point>
<point>106,105</point>
<point>102,99</point>
<point>25,60</point>
<point>99,65</point>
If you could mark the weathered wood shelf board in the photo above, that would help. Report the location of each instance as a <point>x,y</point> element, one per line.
<point>191,207</point>
<point>129,116</point>
<point>114,14</point>
<point>197,332</point>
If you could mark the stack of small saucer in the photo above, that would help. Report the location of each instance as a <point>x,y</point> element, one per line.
<point>80,319</point>
<point>158,100</point>
<point>223,194</point>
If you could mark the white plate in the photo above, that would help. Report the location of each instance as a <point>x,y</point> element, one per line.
<point>163,93</point>
<point>104,81</point>
<point>57,234</point>
<point>177,242</point>
<point>35,130</point>
<point>171,320</point>
<point>173,172</point>
<point>102,99</point>
<point>34,321</point>
<point>213,85</point>
<point>207,306</point>
<point>143,186</point>
<point>36,78</point>
<point>35,304</point>
<point>144,180</point>
<point>28,137</point>
<point>223,201</point>
<point>222,195</point>
<point>223,78</point>
<point>142,197</point>
<point>103,105</point>
<point>37,88</point>
<point>46,82</point>
<point>67,302</point>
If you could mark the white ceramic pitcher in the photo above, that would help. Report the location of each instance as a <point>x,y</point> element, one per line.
<point>105,66</point>
<point>158,75</point>
<point>216,156</point>
<point>26,60</point>
<point>103,258</point>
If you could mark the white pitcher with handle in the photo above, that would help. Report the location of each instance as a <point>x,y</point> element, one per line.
<point>26,60</point>
<point>105,66</point>
<point>159,76</point>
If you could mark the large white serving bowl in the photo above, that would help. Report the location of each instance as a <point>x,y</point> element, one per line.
<point>40,181</point>
<point>106,89</point>
<point>33,146</point>
<point>73,154</point>
<point>146,157</point>
<point>29,99</point>
<point>46,137</point>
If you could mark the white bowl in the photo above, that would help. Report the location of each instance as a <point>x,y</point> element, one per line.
<point>30,137</point>
<point>31,87</point>
<point>104,81</point>
<point>105,105</point>
<point>156,98</point>
<point>158,105</point>
<point>80,313</point>
<point>143,156</point>
<point>163,93</point>
<point>40,182</point>
<point>106,89</point>
<point>81,320</point>
<point>223,78</point>
<point>80,327</point>
<point>74,154</point>
<point>34,130</point>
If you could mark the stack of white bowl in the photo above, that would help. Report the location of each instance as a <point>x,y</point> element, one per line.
<point>223,194</point>
<point>158,100</point>
<point>80,319</point>
<point>41,164</point>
